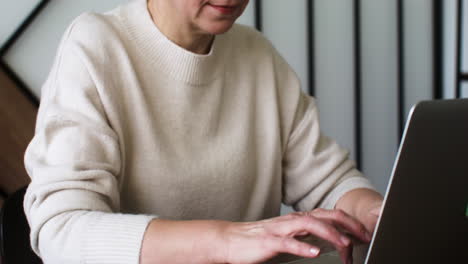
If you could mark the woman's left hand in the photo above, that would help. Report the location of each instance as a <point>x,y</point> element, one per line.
<point>363,204</point>
<point>370,215</point>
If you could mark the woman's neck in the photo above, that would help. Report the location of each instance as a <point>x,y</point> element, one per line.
<point>181,34</point>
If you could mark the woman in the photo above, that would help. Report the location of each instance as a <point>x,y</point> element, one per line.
<point>161,112</point>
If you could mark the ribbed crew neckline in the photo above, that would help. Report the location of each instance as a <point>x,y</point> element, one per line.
<point>166,56</point>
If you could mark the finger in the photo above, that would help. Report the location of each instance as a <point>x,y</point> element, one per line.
<point>345,221</point>
<point>314,226</point>
<point>346,254</point>
<point>371,223</point>
<point>292,246</point>
<point>376,211</point>
<point>302,234</point>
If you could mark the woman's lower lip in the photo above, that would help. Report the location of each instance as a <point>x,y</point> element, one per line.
<point>224,9</point>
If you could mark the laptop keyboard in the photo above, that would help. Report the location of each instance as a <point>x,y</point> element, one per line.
<point>327,258</point>
<point>328,254</point>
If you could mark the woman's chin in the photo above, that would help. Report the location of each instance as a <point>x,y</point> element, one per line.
<point>218,28</point>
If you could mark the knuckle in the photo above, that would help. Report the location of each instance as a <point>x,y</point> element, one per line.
<point>340,213</point>
<point>362,228</point>
<point>329,230</point>
<point>295,215</point>
<point>289,217</point>
<point>306,221</point>
<point>320,210</point>
<point>287,244</point>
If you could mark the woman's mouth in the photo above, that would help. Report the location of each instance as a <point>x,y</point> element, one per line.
<point>226,10</point>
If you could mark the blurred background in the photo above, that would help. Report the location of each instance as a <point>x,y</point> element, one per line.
<point>366,61</point>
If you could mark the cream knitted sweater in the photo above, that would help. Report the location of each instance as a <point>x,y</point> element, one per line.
<point>133,127</point>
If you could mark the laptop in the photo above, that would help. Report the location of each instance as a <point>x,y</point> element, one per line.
<point>425,211</point>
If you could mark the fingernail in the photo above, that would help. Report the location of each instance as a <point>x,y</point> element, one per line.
<point>314,251</point>
<point>345,241</point>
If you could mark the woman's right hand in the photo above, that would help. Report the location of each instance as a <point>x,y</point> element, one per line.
<point>250,242</point>
<point>255,242</point>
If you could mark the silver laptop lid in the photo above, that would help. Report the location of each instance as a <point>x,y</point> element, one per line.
<point>424,218</point>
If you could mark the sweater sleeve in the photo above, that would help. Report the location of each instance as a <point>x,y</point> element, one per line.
<point>316,170</point>
<point>74,162</point>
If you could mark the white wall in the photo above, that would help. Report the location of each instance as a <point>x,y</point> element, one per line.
<point>465,37</point>
<point>464,66</point>
<point>450,22</point>
<point>450,47</point>
<point>285,24</point>
<point>334,69</point>
<point>12,14</point>
<point>248,17</point>
<point>31,57</point>
<point>418,52</point>
<point>379,89</point>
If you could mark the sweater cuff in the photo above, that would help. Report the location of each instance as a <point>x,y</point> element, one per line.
<point>347,185</point>
<point>115,238</point>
